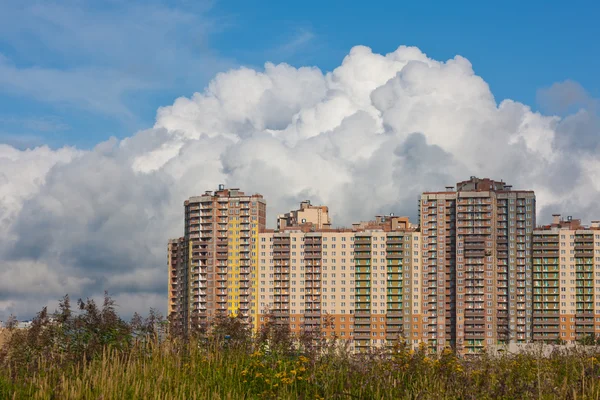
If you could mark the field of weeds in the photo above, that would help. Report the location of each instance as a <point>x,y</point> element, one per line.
<point>193,371</point>
<point>92,354</point>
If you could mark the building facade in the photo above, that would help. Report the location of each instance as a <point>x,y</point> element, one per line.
<point>356,283</point>
<point>566,281</point>
<point>215,257</point>
<point>475,272</point>
<point>318,216</point>
<point>477,261</point>
<point>178,282</point>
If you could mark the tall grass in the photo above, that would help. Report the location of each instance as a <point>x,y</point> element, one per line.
<point>172,370</point>
<point>226,362</point>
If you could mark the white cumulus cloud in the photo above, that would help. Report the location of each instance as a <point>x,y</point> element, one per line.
<point>365,138</point>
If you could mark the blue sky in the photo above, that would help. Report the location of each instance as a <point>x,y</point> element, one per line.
<point>77,72</point>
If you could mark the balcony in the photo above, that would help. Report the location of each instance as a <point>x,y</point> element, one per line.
<point>362,335</point>
<point>395,255</point>
<point>312,241</point>
<point>390,314</point>
<point>312,254</point>
<point>394,240</point>
<point>312,321</point>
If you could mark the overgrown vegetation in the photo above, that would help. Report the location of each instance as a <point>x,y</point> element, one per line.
<point>91,353</point>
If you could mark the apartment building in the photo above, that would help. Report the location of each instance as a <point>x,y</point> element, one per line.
<point>213,260</point>
<point>178,283</point>
<point>566,280</point>
<point>475,272</point>
<point>477,264</point>
<point>318,216</point>
<point>355,283</point>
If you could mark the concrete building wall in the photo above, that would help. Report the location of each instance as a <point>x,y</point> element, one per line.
<point>217,256</point>
<point>360,284</point>
<point>566,262</point>
<point>486,229</point>
<point>177,283</point>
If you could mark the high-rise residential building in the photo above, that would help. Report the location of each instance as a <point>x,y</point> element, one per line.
<point>477,264</point>
<point>318,216</point>
<point>178,290</point>
<point>566,280</point>
<point>215,256</point>
<point>360,284</point>
<point>476,272</point>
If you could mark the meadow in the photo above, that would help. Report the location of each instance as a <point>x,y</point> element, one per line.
<point>90,353</point>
